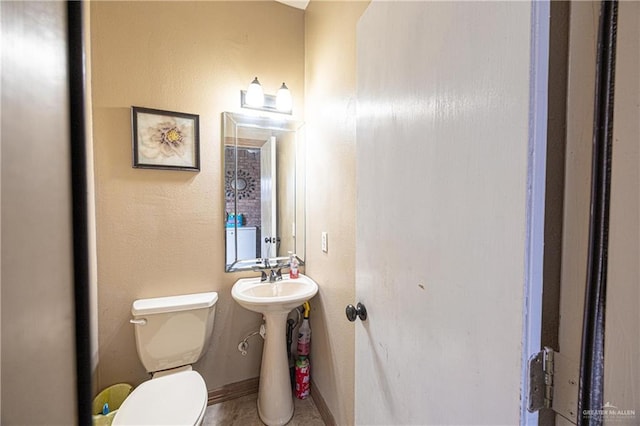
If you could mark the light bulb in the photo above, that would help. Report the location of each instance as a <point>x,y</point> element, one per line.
<point>283,99</point>
<point>255,95</point>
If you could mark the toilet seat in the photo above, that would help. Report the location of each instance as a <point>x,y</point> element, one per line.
<point>175,399</point>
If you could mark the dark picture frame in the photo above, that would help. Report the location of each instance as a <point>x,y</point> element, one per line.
<point>165,139</point>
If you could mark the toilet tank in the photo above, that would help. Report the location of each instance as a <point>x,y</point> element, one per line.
<point>173,331</point>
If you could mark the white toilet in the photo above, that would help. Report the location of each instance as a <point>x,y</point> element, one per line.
<point>171,334</point>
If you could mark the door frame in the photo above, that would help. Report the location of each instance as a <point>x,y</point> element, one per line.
<point>268,191</point>
<point>591,389</point>
<point>590,392</point>
<point>536,184</point>
<point>77,141</point>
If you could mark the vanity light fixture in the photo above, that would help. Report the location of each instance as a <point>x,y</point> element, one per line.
<point>283,99</point>
<point>255,94</point>
<point>255,98</point>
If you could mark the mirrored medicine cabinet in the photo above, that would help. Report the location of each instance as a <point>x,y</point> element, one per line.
<point>264,190</point>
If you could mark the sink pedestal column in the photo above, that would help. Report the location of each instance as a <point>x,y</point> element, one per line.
<point>275,400</point>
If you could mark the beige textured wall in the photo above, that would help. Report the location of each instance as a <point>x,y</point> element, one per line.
<point>622,341</point>
<point>162,232</point>
<point>330,84</point>
<point>575,231</point>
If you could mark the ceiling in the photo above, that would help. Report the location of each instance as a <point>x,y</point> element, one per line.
<point>300,4</point>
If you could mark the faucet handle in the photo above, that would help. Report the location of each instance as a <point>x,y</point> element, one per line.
<point>263,276</point>
<point>279,274</point>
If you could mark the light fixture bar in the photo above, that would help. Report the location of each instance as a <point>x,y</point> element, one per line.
<point>268,106</point>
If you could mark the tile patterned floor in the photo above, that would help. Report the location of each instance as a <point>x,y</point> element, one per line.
<point>243,411</point>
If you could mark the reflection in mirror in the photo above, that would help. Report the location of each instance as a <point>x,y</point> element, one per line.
<point>264,189</point>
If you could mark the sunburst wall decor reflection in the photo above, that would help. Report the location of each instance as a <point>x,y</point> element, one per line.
<point>243,184</point>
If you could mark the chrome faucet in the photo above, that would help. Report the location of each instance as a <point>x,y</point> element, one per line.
<point>274,275</point>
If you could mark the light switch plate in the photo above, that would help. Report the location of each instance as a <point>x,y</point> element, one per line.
<point>325,247</point>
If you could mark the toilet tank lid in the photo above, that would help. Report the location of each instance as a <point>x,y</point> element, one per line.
<point>182,302</point>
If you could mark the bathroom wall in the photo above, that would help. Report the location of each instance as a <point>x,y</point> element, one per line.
<point>330,82</point>
<point>577,193</point>
<point>161,232</point>
<point>622,342</point>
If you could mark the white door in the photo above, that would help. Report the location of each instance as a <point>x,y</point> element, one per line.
<point>442,139</point>
<point>268,226</point>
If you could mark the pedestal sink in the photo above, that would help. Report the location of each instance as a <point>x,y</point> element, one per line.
<point>274,301</point>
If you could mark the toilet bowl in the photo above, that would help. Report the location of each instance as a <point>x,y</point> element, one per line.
<point>171,334</point>
<point>175,399</point>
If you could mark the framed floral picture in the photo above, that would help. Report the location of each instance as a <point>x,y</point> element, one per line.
<point>165,139</point>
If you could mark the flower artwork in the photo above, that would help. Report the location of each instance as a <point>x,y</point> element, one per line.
<point>165,139</point>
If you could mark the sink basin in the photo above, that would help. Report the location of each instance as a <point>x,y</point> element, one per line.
<point>274,301</point>
<point>283,295</point>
